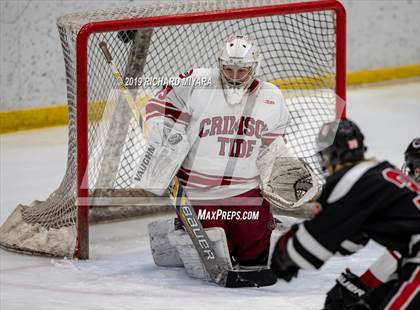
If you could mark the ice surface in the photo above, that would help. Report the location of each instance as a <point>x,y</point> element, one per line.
<point>121,273</point>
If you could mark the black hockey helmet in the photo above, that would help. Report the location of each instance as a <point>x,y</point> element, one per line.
<point>412,159</point>
<point>340,142</point>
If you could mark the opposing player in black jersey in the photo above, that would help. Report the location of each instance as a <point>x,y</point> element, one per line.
<point>361,200</point>
<point>377,279</point>
<point>412,160</point>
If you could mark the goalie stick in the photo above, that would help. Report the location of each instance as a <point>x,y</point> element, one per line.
<point>218,271</point>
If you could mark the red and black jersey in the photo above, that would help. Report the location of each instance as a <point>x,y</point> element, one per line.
<point>369,200</point>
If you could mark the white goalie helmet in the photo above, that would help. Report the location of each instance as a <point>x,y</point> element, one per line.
<point>238,63</point>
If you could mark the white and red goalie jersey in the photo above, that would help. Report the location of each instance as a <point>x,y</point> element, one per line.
<point>225,139</point>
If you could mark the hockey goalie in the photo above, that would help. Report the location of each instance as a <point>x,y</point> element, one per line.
<point>224,140</point>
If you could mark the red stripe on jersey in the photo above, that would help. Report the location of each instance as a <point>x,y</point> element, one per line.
<point>253,86</point>
<point>158,114</point>
<point>200,180</point>
<point>394,254</point>
<point>268,138</point>
<point>267,141</point>
<point>272,135</point>
<point>204,181</point>
<point>369,279</point>
<point>380,271</point>
<point>406,292</point>
<point>186,184</point>
<point>218,177</point>
<point>166,109</point>
<point>151,115</point>
<point>165,103</point>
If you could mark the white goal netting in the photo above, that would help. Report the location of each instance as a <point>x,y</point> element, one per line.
<point>298,55</point>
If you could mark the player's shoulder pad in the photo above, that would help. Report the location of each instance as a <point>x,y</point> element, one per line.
<point>349,179</point>
<point>270,93</point>
<point>270,87</point>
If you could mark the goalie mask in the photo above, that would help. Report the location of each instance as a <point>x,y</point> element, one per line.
<point>238,63</point>
<point>340,142</point>
<point>412,160</point>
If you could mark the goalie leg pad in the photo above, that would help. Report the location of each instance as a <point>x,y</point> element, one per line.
<point>163,252</point>
<point>189,256</point>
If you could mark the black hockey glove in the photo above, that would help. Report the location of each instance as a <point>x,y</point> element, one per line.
<point>281,263</point>
<point>347,293</point>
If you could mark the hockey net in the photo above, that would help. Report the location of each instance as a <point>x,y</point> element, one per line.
<point>303,52</point>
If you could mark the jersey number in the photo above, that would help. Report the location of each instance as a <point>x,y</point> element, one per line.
<point>401,180</point>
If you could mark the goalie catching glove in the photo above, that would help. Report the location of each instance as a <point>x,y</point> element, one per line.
<point>287,181</point>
